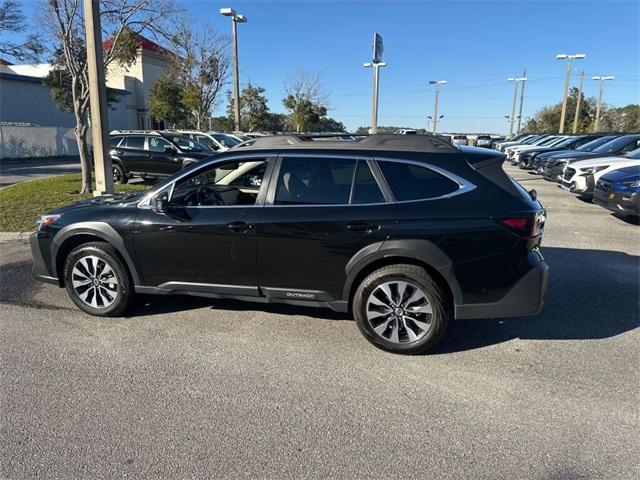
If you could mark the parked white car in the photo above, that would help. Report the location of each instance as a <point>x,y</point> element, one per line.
<point>581,177</point>
<point>542,142</point>
<point>459,140</point>
<point>206,139</point>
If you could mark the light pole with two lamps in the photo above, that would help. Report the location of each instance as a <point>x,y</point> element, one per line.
<point>235,19</point>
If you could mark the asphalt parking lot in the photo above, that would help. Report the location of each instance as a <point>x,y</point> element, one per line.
<point>201,388</point>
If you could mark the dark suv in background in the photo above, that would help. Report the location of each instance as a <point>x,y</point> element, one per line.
<point>152,154</point>
<point>407,232</point>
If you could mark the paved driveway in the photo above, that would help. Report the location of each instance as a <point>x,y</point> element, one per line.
<point>16,172</point>
<point>197,388</point>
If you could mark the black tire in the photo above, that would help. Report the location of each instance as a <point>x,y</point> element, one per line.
<point>119,175</point>
<point>418,277</point>
<point>116,295</point>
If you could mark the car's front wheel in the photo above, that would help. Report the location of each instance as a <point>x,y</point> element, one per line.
<point>401,309</point>
<point>97,280</point>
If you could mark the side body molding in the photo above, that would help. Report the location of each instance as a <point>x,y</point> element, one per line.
<point>420,249</point>
<point>98,229</point>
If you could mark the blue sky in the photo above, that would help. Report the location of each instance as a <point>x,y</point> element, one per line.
<point>474,45</point>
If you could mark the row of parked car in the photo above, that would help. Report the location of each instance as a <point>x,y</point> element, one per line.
<point>158,153</point>
<point>603,167</point>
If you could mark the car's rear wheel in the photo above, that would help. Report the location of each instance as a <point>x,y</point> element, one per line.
<point>401,309</point>
<point>97,280</point>
<point>119,175</point>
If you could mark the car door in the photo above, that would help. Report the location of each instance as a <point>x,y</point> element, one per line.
<point>320,211</point>
<point>163,156</point>
<point>133,153</point>
<point>206,239</point>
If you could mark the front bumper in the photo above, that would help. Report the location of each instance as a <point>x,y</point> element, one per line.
<point>620,202</point>
<point>525,298</point>
<point>40,270</point>
<point>553,173</point>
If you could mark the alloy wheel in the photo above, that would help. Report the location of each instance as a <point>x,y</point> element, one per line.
<point>399,312</point>
<point>116,175</point>
<point>94,282</point>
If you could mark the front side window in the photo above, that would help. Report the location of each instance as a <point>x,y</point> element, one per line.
<point>414,182</point>
<point>225,184</point>
<point>157,144</point>
<point>115,141</point>
<point>206,141</point>
<point>315,181</point>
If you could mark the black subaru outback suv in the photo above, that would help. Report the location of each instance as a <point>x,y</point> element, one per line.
<point>405,232</point>
<point>154,154</point>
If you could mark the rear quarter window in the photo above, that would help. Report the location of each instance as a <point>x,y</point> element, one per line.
<point>414,182</point>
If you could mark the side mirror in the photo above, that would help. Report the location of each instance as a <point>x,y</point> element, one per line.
<point>161,203</point>
<point>169,150</point>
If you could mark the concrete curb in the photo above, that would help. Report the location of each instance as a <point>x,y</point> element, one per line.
<point>14,236</point>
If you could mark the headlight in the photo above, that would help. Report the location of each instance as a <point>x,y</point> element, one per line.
<point>593,169</point>
<point>45,220</point>
<point>634,184</point>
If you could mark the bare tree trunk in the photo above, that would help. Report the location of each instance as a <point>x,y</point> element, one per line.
<point>80,132</point>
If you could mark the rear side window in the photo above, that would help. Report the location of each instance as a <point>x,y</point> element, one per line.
<point>134,142</point>
<point>309,181</point>
<point>413,182</point>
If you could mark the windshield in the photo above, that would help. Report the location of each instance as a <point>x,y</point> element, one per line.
<point>566,142</point>
<point>615,145</point>
<point>185,144</point>
<point>224,140</point>
<point>589,146</point>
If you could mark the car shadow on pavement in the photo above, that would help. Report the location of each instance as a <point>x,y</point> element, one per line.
<point>592,294</point>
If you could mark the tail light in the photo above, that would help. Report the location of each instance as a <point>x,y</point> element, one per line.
<point>530,226</point>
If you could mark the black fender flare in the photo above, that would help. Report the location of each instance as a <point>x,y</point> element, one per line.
<point>101,230</point>
<point>117,161</point>
<point>422,250</point>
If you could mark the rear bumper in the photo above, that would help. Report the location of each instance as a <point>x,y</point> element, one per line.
<point>525,298</point>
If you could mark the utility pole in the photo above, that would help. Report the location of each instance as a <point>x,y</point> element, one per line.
<point>97,99</point>
<point>524,82</point>
<point>569,59</point>
<point>596,127</point>
<point>235,19</point>
<point>578,101</point>
<point>512,118</point>
<point>374,98</point>
<point>437,83</point>
<point>376,63</point>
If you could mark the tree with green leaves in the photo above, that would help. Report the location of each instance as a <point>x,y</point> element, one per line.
<point>166,98</point>
<point>304,99</point>
<point>202,65</point>
<point>13,21</point>
<point>253,108</point>
<point>123,21</point>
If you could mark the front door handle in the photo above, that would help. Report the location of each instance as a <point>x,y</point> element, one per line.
<point>363,227</point>
<point>239,227</point>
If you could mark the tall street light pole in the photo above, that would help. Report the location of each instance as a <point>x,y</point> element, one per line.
<point>235,19</point>
<point>578,101</point>
<point>376,87</point>
<point>437,83</point>
<point>569,59</point>
<point>601,80</point>
<point>524,82</point>
<point>512,118</point>
<point>97,98</point>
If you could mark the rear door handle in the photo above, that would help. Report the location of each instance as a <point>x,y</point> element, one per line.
<point>363,227</point>
<point>240,227</point>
